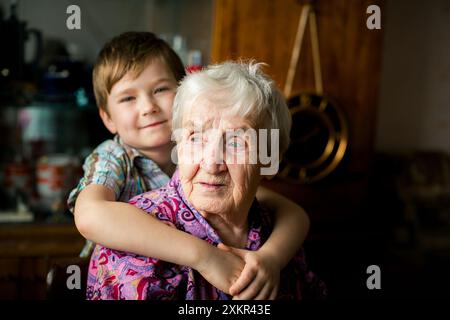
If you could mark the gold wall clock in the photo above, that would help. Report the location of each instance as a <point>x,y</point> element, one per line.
<point>319,134</point>
<point>319,138</point>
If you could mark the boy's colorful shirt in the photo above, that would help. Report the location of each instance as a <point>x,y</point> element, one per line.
<point>121,168</point>
<point>120,275</point>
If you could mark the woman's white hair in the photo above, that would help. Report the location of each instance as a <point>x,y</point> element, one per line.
<point>243,89</point>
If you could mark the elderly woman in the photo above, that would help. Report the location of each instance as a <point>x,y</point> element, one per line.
<point>222,120</point>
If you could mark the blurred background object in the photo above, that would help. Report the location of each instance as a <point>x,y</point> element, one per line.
<point>49,121</point>
<point>15,62</point>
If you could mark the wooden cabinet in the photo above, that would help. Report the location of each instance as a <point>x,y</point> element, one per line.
<point>28,251</point>
<point>350,55</point>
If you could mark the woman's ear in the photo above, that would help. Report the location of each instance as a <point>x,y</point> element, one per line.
<point>107,121</point>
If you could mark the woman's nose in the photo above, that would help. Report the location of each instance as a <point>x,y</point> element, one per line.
<point>212,160</point>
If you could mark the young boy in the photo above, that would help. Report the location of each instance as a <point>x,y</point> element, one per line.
<point>135,80</point>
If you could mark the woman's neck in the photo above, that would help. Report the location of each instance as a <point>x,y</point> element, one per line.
<point>232,227</point>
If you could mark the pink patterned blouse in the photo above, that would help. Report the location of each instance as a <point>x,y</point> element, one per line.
<point>121,275</point>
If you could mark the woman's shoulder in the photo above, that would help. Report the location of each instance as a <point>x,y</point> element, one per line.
<point>163,202</point>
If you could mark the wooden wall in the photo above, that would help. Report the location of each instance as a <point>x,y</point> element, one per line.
<point>350,55</point>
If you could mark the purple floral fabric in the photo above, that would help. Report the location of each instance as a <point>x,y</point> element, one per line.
<point>120,275</point>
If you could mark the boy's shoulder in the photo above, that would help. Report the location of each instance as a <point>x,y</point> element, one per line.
<point>115,148</point>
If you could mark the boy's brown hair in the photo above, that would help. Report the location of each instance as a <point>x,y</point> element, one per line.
<point>130,52</point>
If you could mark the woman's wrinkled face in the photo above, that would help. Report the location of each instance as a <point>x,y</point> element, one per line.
<point>217,172</point>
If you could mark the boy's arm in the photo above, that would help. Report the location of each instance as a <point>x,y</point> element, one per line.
<point>122,226</point>
<point>260,277</point>
<point>290,228</point>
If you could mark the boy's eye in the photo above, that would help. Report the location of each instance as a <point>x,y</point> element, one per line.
<point>126,99</point>
<point>161,89</point>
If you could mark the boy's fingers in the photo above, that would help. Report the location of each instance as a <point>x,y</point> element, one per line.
<point>223,247</point>
<point>264,294</point>
<point>239,252</point>
<point>274,293</point>
<point>246,276</point>
<point>251,291</point>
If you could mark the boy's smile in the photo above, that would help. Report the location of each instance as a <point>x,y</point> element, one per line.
<point>140,109</point>
<point>154,124</point>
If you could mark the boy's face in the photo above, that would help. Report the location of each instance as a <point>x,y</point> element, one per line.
<point>140,110</point>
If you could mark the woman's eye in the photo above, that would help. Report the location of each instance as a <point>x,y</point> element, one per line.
<point>236,143</point>
<point>195,138</point>
<point>126,99</point>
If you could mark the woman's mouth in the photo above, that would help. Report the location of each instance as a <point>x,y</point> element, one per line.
<point>211,186</point>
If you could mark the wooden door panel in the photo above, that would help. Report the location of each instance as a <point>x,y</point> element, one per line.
<point>350,55</point>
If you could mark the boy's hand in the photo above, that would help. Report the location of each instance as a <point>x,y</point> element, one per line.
<point>260,277</point>
<point>220,268</point>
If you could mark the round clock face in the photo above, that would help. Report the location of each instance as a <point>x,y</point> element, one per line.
<point>319,137</point>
